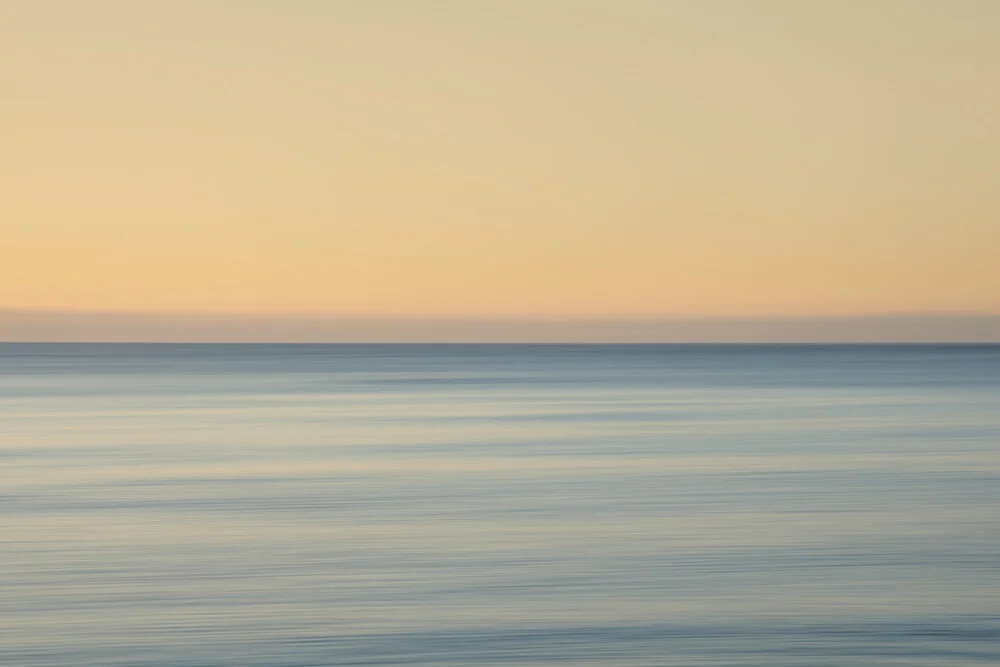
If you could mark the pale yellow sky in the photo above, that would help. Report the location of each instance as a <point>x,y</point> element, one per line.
<point>593,158</point>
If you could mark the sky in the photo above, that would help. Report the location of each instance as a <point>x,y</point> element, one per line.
<point>597,159</point>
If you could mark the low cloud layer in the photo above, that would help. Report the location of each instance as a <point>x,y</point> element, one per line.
<point>55,326</point>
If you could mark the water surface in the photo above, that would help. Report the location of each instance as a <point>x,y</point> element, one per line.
<point>613,506</point>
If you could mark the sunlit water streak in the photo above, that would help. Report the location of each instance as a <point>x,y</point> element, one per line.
<point>293,506</point>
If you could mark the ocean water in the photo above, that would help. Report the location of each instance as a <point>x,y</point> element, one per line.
<point>528,506</point>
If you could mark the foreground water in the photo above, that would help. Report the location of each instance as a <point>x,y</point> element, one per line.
<point>293,506</point>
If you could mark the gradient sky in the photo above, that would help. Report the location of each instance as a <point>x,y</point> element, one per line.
<point>593,158</point>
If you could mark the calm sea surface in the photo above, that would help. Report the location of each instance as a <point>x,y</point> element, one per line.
<point>613,506</point>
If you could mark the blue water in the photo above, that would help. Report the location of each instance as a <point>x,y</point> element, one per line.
<point>640,506</point>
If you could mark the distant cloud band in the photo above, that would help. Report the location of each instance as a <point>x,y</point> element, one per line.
<point>60,326</point>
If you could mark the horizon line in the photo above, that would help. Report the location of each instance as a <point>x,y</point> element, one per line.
<point>37,325</point>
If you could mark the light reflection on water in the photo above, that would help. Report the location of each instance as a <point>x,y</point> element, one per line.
<point>204,506</point>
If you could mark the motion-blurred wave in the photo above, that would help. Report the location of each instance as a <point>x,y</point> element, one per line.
<point>293,506</point>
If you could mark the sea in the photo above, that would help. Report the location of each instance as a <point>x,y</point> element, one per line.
<point>220,505</point>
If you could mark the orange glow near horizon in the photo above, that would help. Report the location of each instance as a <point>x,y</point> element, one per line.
<point>528,158</point>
